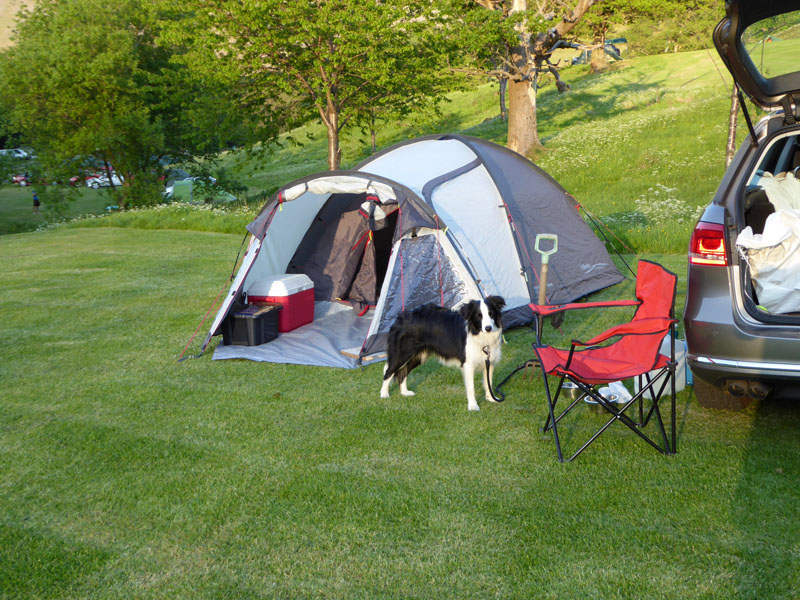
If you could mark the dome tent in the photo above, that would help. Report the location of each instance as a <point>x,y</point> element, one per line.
<point>442,219</point>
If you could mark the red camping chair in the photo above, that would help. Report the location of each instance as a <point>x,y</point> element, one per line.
<point>634,352</point>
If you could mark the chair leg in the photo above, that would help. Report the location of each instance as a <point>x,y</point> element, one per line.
<point>673,369</point>
<point>641,403</point>
<point>664,439</point>
<point>670,444</point>
<point>585,391</point>
<point>551,418</point>
<point>619,415</point>
<point>548,420</point>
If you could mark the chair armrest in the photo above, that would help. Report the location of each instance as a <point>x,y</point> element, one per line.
<point>551,309</point>
<point>637,327</point>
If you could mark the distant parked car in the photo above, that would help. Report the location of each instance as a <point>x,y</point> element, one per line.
<point>99,180</point>
<point>22,179</point>
<point>179,175</point>
<point>741,346</point>
<point>82,168</point>
<point>15,153</point>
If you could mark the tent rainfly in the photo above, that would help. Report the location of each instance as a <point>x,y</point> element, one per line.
<point>439,219</point>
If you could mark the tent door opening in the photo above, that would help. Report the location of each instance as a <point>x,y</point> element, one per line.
<point>346,251</point>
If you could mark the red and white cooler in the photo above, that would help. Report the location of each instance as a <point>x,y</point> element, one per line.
<point>295,292</point>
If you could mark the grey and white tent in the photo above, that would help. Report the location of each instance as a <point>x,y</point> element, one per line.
<point>439,219</point>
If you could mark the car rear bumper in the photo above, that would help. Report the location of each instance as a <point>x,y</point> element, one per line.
<point>724,342</point>
<point>712,369</point>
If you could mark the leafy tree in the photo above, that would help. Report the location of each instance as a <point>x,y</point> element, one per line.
<point>657,26</point>
<point>342,61</point>
<point>8,137</point>
<point>88,79</point>
<point>597,23</point>
<point>513,40</point>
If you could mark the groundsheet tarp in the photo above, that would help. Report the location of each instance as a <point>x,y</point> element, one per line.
<point>336,329</point>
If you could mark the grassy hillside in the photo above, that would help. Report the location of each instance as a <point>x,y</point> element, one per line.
<point>641,145</point>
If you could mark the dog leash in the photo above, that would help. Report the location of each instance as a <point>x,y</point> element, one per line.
<point>501,396</point>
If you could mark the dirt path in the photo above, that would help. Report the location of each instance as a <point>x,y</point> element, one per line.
<point>9,8</point>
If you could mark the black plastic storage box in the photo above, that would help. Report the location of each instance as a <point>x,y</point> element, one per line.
<point>252,325</point>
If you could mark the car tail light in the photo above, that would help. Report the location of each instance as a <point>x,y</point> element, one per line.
<point>708,245</point>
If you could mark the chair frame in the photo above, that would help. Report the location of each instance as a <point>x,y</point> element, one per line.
<point>649,387</point>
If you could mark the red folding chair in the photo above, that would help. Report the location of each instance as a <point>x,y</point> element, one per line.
<point>622,352</point>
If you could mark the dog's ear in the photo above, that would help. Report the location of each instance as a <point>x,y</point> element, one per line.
<point>468,309</point>
<point>495,304</point>
<point>471,313</point>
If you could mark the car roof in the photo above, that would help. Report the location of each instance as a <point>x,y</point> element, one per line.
<point>759,42</point>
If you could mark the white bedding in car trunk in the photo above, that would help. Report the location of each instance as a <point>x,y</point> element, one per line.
<point>774,260</point>
<point>783,190</point>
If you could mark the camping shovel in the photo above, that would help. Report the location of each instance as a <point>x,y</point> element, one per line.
<point>496,394</point>
<point>545,266</point>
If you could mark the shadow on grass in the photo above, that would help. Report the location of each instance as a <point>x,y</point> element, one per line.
<point>601,106</point>
<point>766,510</point>
<point>39,564</point>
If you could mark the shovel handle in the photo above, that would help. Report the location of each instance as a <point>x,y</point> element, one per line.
<point>546,253</point>
<point>545,261</point>
<point>543,284</point>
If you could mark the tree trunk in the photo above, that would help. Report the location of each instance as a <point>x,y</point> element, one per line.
<point>122,200</point>
<point>523,133</point>
<point>730,148</point>
<point>503,86</point>
<point>107,167</point>
<point>598,60</point>
<point>334,151</point>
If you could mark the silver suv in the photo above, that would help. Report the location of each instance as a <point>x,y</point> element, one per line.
<point>738,348</point>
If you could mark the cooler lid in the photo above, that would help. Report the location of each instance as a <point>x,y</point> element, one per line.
<point>281,285</point>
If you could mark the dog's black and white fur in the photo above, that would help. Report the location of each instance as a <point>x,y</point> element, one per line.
<point>461,338</point>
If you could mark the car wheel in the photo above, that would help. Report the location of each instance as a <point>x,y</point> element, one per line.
<point>94,185</point>
<point>23,183</point>
<point>710,396</point>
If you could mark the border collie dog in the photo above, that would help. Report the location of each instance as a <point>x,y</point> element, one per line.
<point>464,338</point>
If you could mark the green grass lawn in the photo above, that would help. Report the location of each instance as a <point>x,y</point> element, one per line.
<point>127,474</point>
<point>16,208</point>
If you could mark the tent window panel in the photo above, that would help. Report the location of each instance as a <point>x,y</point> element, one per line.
<point>285,235</point>
<point>383,239</point>
<point>425,276</point>
<point>481,228</point>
